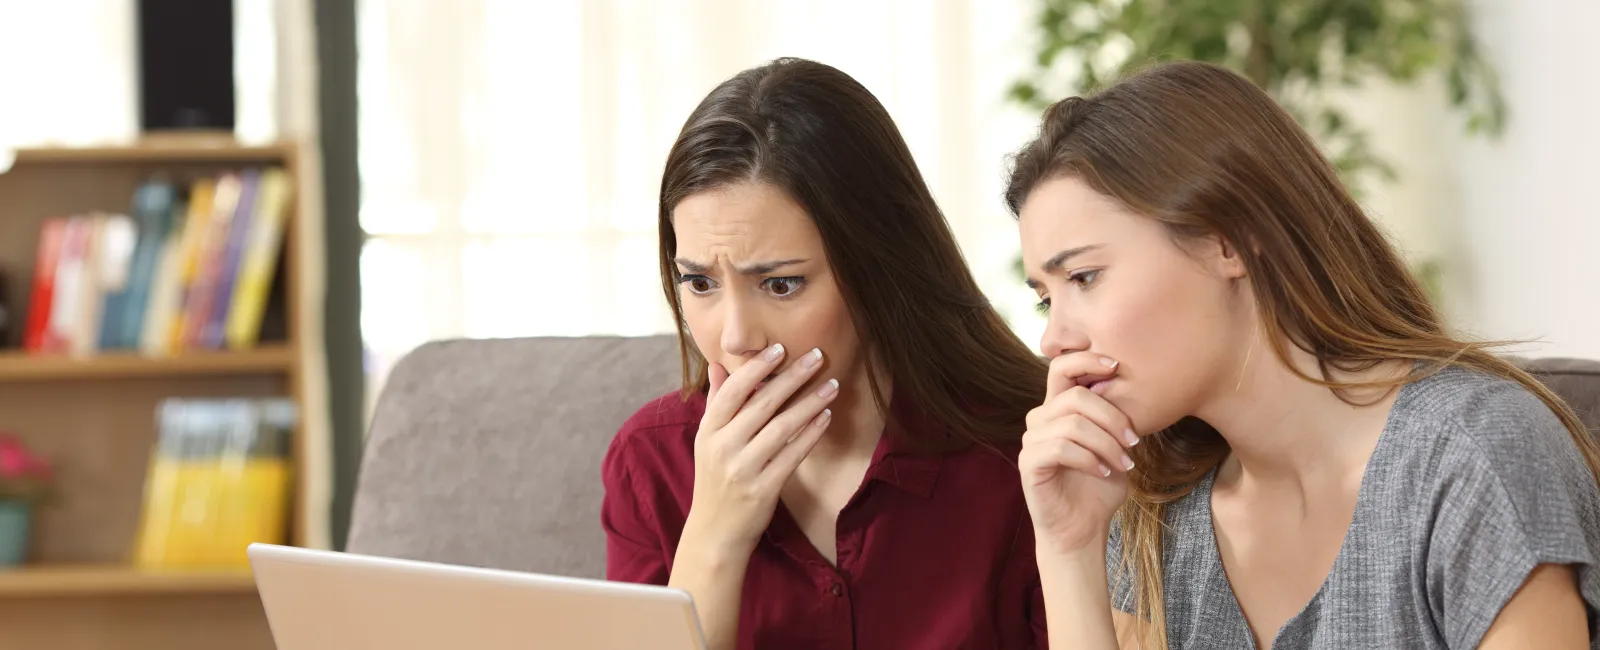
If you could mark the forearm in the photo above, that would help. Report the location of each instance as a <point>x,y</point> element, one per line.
<point>1076,600</point>
<point>715,578</point>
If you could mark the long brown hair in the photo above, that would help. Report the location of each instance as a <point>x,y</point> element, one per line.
<point>1206,153</point>
<point>813,132</point>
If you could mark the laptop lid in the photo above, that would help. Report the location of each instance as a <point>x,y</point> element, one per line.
<point>327,600</point>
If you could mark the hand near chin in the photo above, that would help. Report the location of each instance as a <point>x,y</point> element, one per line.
<point>1074,459</point>
<point>747,447</point>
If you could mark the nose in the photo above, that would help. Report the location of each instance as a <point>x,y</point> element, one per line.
<point>1061,336</point>
<point>743,334</point>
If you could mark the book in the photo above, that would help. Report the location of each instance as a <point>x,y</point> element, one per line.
<point>153,205</point>
<point>219,480</point>
<point>249,300</point>
<point>51,235</point>
<point>191,265</point>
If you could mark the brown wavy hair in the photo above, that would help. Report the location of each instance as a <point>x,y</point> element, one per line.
<point>1206,153</point>
<point>815,133</point>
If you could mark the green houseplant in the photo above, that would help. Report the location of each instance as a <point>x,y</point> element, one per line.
<point>24,481</point>
<point>1301,52</point>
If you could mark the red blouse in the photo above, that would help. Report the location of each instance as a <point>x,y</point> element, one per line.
<point>934,551</point>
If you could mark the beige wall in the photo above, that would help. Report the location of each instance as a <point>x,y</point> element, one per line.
<point>1516,220</point>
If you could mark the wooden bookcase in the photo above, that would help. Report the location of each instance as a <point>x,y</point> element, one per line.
<point>94,417</point>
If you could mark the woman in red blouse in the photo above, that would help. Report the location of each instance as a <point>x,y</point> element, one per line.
<point>839,469</point>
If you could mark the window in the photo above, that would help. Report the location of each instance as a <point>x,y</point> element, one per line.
<point>511,151</point>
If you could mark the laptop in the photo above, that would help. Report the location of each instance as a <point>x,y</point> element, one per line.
<point>328,600</point>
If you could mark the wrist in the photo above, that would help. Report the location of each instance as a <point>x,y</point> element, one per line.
<point>1078,555</point>
<point>708,547</point>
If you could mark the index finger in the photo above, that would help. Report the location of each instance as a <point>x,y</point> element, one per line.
<point>1067,368</point>
<point>733,389</point>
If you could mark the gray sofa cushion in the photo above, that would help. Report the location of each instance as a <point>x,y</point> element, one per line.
<point>487,452</point>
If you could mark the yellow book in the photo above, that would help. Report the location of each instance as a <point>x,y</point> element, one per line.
<point>219,480</point>
<point>257,268</point>
<point>164,317</point>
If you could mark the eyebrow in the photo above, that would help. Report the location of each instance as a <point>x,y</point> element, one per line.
<point>762,268</point>
<point>1054,264</point>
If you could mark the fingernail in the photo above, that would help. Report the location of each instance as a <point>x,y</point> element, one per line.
<point>1127,463</point>
<point>1130,436</point>
<point>825,418</point>
<point>829,389</point>
<point>1105,471</point>
<point>811,359</point>
<point>774,352</point>
<point>1108,362</point>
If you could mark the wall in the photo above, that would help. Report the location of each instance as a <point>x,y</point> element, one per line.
<point>1515,219</point>
<point>1530,222</point>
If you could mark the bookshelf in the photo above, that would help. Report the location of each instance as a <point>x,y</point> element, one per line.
<point>93,415</point>
<point>20,367</point>
<point>109,579</point>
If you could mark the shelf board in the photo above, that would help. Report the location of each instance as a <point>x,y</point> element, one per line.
<point>19,366</point>
<point>113,579</point>
<point>178,151</point>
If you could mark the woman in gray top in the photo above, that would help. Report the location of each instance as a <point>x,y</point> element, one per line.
<point>1257,432</point>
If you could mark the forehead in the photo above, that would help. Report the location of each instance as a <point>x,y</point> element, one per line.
<point>743,219</point>
<point>1067,204</point>
<point>1065,212</point>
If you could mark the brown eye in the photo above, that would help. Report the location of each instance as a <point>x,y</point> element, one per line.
<point>1084,278</point>
<point>783,287</point>
<point>698,284</point>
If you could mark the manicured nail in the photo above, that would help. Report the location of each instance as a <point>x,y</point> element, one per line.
<point>825,418</point>
<point>811,359</point>
<point>1127,463</point>
<point>1105,471</point>
<point>829,389</point>
<point>1130,436</point>
<point>774,352</point>
<point>1108,362</point>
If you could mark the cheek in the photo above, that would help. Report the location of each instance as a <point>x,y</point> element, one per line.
<point>1170,335</point>
<point>704,327</point>
<point>821,320</point>
<point>1134,326</point>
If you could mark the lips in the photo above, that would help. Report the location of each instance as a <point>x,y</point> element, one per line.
<point>1095,383</point>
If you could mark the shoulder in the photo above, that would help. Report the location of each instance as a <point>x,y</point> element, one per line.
<point>1464,420</point>
<point>985,463</point>
<point>658,439</point>
<point>1497,485</point>
<point>668,411</point>
<point>1492,473</point>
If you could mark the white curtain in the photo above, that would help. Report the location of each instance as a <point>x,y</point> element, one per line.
<point>511,151</point>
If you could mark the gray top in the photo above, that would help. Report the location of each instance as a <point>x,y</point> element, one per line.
<point>1473,482</point>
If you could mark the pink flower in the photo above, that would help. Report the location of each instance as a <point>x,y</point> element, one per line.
<point>17,462</point>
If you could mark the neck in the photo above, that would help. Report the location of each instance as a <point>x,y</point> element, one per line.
<point>857,422</point>
<point>1288,432</point>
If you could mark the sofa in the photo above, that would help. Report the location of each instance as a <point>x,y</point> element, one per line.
<point>487,452</point>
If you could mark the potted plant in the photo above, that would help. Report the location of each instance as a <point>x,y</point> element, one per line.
<point>1302,52</point>
<point>24,482</point>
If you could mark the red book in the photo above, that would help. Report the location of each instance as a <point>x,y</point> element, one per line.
<point>44,283</point>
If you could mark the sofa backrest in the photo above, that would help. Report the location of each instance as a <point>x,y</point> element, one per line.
<point>487,452</point>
